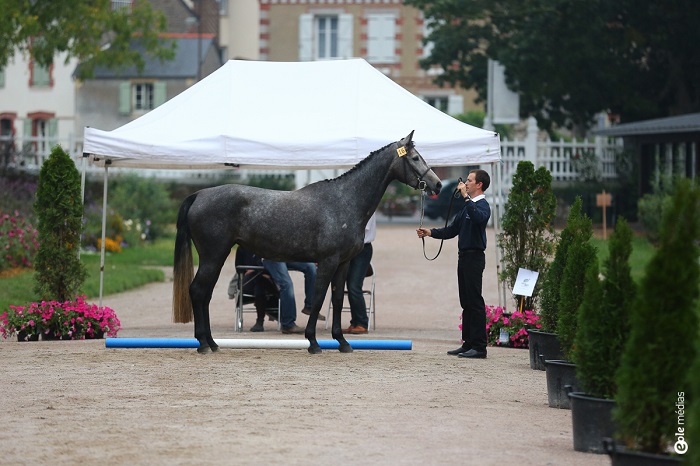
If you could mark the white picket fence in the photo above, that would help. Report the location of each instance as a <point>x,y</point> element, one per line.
<point>566,160</point>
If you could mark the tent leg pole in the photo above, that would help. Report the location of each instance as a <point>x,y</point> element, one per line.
<point>495,169</point>
<point>104,227</point>
<point>82,199</point>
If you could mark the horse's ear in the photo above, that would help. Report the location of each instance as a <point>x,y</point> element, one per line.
<point>408,138</point>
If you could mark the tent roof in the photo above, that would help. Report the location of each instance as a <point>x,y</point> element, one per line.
<point>289,115</point>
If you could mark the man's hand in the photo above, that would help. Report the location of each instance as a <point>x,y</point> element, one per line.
<point>423,232</point>
<point>462,189</point>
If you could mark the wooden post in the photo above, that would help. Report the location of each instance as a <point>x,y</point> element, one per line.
<point>604,200</point>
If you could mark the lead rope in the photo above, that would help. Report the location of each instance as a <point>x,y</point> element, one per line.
<point>422,186</point>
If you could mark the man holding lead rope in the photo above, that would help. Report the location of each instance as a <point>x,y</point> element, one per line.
<point>470,224</point>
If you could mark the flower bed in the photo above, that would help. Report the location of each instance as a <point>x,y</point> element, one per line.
<point>18,242</point>
<point>74,320</point>
<point>514,326</point>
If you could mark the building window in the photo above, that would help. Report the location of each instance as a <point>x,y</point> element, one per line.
<point>438,102</point>
<point>2,78</point>
<point>452,104</point>
<point>381,38</point>
<point>140,97</point>
<point>43,128</point>
<point>40,76</point>
<point>223,7</point>
<point>325,36</point>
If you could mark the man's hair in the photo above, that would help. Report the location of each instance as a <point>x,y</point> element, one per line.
<point>481,176</point>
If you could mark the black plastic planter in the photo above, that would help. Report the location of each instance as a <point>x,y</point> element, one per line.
<point>591,420</point>
<point>543,345</point>
<point>620,456</point>
<point>560,374</point>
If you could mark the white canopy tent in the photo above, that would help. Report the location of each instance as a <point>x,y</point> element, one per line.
<point>289,115</point>
<point>297,115</point>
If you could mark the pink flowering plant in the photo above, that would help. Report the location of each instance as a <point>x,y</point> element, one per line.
<point>515,324</point>
<point>18,241</point>
<point>75,320</point>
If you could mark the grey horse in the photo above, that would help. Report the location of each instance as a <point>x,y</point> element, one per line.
<point>323,222</point>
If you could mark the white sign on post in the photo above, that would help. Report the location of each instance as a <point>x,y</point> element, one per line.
<point>525,282</point>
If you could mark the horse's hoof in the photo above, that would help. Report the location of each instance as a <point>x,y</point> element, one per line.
<point>346,348</point>
<point>204,350</point>
<point>214,349</point>
<point>315,349</point>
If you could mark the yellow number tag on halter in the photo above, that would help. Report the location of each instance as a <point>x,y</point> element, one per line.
<point>401,151</point>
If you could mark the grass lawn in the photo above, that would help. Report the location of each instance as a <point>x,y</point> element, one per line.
<point>131,268</point>
<point>642,252</point>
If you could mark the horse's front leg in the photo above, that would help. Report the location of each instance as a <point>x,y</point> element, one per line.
<point>337,297</point>
<point>324,274</point>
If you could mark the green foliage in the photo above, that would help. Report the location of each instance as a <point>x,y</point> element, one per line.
<point>129,269</point>
<point>549,295</point>
<point>642,252</point>
<point>276,182</point>
<point>663,331</point>
<point>581,254</point>
<point>692,413</point>
<point>145,206</point>
<point>651,206</point>
<point>603,318</point>
<point>544,45</point>
<point>528,239</point>
<point>59,209</point>
<point>17,194</point>
<point>79,28</point>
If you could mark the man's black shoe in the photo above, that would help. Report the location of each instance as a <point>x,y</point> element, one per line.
<point>458,351</point>
<point>473,354</point>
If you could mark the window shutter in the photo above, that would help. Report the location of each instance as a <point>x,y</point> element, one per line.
<point>455,104</point>
<point>27,134</point>
<point>306,37</point>
<point>159,94</point>
<point>124,98</point>
<point>52,127</point>
<point>345,49</point>
<point>381,32</point>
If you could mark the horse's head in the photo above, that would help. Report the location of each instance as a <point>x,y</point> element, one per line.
<point>411,169</point>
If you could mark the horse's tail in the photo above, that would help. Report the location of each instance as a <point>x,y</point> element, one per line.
<point>183,270</point>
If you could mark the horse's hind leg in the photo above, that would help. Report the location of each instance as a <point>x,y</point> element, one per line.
<point>201,291</point>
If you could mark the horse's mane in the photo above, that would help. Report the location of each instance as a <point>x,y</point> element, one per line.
<point>364,161</point>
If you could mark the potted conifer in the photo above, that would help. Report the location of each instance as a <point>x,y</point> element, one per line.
<point>652,377</point>
<point>528,238</point>
<point>580,254</point>
<point>603,328</point>
<point>544,343</point>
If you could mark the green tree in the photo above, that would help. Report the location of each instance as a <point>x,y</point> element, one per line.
<point>44,28</point>
<point>59,273</point>
<point>549,295</point>
<point>581,254</point>
<point>145,202</point>
<point>603,318</point>
<point>663,331</point>
<point>568,59</point>
<point>528,238</point>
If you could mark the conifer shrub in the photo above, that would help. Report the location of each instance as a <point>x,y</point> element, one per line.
<point>528,238</point>
<point>59,273</point>
<point>581,254</point>
<point>603,318</point>
<point>549,295</point>
<point>663,331</point>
